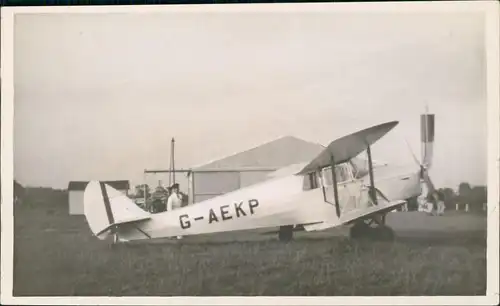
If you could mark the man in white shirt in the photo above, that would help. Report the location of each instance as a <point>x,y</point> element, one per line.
<point>174,200</point>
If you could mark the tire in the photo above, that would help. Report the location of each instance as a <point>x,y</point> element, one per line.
<point>385,233</point>
<point>360,230</point>
<point>285,233</point>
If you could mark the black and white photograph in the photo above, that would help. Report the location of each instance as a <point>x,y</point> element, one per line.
<point>253,150</point>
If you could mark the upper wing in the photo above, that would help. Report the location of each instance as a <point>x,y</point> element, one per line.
<point>349,146</point>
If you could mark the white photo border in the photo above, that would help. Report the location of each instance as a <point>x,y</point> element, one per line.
<point>491,13</point>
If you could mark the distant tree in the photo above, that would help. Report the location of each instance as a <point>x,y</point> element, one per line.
<point>478,195</point>
<point>449,197</point>
<point>139,190</point>
<point>464,194</point>
<point>46,196</point>
<point>160,192</point>
<point>161,189</point>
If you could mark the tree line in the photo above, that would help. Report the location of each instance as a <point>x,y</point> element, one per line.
<point>474,196</point>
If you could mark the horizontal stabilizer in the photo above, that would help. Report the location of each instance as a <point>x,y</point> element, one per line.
<point>347,147</point>
<point>123,222</point>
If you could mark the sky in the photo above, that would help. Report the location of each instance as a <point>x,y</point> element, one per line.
<point>99,96</point>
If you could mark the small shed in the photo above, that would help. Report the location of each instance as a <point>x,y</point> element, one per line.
<point>76,190</point>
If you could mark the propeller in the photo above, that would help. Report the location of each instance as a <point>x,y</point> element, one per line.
<point>427,132</point>
<point>424,171</point>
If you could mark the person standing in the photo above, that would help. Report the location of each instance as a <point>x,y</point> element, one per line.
<point>174,200</point>
<point>440,204</point>
<point>429,204</point>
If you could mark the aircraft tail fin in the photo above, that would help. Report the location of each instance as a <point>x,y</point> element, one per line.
<point>106,208</point>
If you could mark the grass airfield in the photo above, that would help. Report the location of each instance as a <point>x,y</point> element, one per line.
<point>56,255</point>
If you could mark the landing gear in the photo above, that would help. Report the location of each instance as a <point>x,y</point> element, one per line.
<point>285,233</point>
<point>412,204</point>
<point>373,228</point>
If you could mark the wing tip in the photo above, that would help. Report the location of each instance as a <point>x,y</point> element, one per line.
<point>389,124</point>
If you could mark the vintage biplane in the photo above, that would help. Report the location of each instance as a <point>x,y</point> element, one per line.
<point>329,191</point>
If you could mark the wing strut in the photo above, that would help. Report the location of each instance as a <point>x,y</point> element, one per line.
<point>372,190</point>
<point>334,182</point>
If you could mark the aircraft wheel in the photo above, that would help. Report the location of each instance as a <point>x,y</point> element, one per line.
<point>360,230</point>
<point>286,233</point>
<point>385,233</point>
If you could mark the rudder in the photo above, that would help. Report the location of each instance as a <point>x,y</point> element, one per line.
<point>105,208</point>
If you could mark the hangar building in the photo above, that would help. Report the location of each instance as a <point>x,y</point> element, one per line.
<point>77,188</point>
<point>249,167</point>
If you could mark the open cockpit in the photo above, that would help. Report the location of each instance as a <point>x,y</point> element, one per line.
<point>345,172</point>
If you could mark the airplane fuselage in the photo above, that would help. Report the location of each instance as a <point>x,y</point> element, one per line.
<point>288,200</point>
<point>332,189</point>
